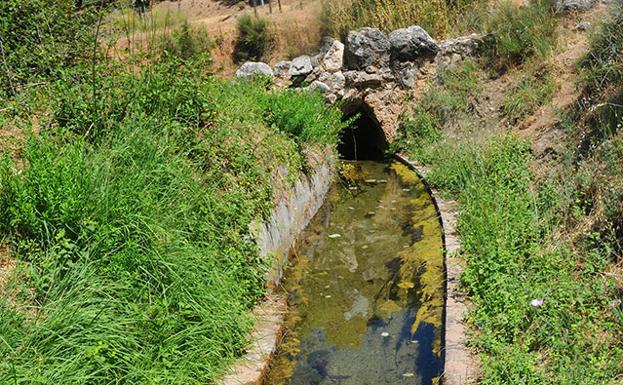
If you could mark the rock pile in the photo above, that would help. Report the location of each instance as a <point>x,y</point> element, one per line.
<point>370,68</point>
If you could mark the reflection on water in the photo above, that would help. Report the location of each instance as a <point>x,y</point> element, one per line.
<point>366,286</point>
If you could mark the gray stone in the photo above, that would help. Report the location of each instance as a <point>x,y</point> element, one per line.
<point>301,66</point>
<point>453,51</point>
<point>320,86</point>
<point>331,54</point>
<point>250,69</point>
<point>574,5</point>
<point>282,69</point>
<point>339,81</point>
<point>411,44</point>
<point>362,79</point>
<point>406,74</point>
<point>366,47</point>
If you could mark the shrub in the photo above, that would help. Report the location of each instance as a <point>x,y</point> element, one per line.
<point>255,39</point>
<point>186,43</point>
<point>40,38</point>
<point>520,32</point>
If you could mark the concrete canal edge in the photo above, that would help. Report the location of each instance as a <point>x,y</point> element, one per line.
<point>461,366</point>
<point>275,237</point>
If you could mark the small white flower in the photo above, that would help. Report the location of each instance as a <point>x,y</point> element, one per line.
<point>537,302</point>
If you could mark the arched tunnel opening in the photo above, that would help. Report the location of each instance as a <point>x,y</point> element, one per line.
<point>363,139</point>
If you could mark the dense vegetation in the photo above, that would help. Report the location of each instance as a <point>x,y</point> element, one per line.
<point>126,195</point>
<point>542,239</point>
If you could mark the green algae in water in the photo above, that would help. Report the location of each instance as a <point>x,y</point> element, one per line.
<point>365,286</point>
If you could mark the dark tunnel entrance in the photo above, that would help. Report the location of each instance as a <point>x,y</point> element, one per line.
<point>363,139</point>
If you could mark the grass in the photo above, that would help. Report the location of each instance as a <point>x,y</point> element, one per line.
<point>536,230</point>
<point>520,32</point>
<point>435,16</point>
<point>157,18</point>
<point>574,337</point>
<point>129,217</point>
<point>531,91</point>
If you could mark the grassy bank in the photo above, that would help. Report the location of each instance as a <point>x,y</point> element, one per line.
<point>126,194</point>
<point>541,237</point>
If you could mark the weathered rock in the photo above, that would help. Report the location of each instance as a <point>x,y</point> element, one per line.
<point>387,106</point>
<point>362,79</point>
<point>250,69</point>
<point>453,51</point>
<point>339,81</point>
<point>406,74</point>
<point>366,47</point>
<point>320,86</point>
<point>411,44</point>
<point>301,66</point>
<point>574,5</point>
<point>331,54</point>
<point>282,69</point>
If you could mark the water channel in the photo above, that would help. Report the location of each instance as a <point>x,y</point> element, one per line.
<point>365,286</point>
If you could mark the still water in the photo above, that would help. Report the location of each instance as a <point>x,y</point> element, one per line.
<point>365,286</point>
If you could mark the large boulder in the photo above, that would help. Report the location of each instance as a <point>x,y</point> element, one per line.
<point>574,5</point>
<point>411,44</point>
<point>250,69</point>
<point>331,54</point>
<point>366,47</point>
<point>301,66</point>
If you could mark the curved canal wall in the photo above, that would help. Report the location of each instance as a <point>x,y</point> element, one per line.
<point>461,366</point>
<point>293,211</point>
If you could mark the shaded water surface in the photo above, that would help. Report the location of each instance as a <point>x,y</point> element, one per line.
<point>365,287</point>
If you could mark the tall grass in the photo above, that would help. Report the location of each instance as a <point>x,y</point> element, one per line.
<point>435,16</point>
<point>574,336</point>
<point>521,32</point>
<point>130,222</point>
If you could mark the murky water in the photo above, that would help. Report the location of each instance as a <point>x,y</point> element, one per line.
<point>365,286</point>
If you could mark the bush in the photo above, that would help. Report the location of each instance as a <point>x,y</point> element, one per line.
<point>255,39</point>
<point>186,43</point>
<point>41,38</point>
<point>521,32</point>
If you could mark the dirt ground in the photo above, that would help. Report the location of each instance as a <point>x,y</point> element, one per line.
<point>296,26</point>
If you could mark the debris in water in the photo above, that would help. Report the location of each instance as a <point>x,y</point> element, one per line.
<point>385,334</point>
<point>332,236</point>
<point>537,302</point>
